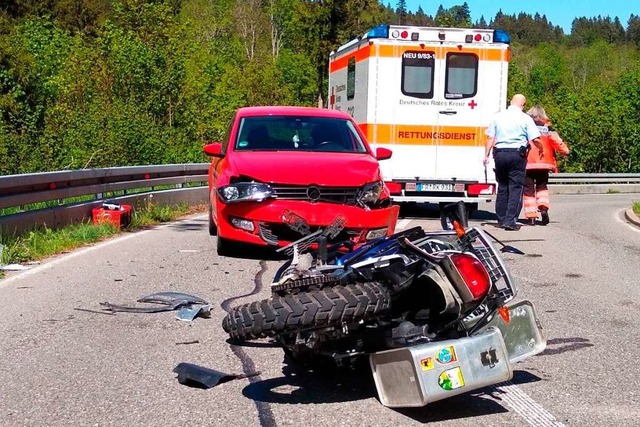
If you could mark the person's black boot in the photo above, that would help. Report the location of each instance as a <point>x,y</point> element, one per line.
<point>544,213</point>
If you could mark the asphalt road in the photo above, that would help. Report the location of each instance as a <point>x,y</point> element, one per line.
<point>64,366</point>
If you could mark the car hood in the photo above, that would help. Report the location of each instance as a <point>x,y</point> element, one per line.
<point>329,169</point>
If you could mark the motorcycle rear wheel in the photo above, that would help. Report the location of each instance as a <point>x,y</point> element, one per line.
<point>330,306</point>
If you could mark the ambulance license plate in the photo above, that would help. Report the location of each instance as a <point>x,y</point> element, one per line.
<point>427,186</point>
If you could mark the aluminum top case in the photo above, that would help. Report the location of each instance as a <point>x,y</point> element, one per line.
<point>417,375</point>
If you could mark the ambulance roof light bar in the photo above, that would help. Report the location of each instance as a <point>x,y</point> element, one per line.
<point>379,32</point>
<point>501,36</point>
<point>383,32</point>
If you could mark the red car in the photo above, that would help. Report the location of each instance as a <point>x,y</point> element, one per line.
<point>284,172</point>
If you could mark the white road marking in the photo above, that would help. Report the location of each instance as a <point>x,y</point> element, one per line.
<point>402,224</point>
<point>522,404</point>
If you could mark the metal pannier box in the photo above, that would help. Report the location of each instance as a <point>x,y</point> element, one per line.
<point>417,375</point>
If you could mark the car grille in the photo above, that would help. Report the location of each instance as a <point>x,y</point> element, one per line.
<point>312,193</point>
<point>273,233</point>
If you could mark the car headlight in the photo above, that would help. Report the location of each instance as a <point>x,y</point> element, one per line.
<point>245,192</point>
<point>370,193</point>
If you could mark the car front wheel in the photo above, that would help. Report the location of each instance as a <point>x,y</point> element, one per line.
<point>226,247</point>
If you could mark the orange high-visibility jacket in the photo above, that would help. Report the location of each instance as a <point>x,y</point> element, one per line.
<point>551,143</point>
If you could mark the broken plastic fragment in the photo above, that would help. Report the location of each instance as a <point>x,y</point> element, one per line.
<point>201,377</point>
<point>130,309</point>
<point>168,301</point>
<point>172,298</point>
<point>188,312</point>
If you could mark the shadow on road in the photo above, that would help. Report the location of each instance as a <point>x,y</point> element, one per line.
<point>562,345</point>
<point>301,386</point>
<point>456,407</point>
<point>190,225</point>
<point>253,344</point>
<point>484,401</point>
<point>432,210</point>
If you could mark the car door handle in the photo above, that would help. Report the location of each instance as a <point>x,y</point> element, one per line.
<point>448,112</point>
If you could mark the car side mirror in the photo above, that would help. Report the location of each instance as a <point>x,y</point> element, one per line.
<point>213,149</point>
<point>383,153</point>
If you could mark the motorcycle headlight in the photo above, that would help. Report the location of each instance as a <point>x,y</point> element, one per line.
<point>370,193</point>
<point>245,191</point>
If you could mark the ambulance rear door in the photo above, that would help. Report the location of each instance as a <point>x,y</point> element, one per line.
<point>471,87</point>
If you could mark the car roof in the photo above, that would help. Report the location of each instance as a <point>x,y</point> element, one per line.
<point>291,111</point>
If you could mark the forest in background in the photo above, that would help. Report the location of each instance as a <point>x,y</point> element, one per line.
<point>100,83</point>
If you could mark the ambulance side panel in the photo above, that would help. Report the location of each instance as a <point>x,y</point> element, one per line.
<point>349,88</point>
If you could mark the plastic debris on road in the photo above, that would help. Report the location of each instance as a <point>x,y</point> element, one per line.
<point>200,377</point>
<point>189,306</point>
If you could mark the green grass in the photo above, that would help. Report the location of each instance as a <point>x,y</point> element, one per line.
<point>636,208</point>
<point>45,242</point>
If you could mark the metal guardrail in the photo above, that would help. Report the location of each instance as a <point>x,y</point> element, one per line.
<point>594,183</point>
<point>28,189</point>
<point>594,178</point>
<point>138,185</point>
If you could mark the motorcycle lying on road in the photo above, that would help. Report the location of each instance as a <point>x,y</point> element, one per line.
<point>430,310</point>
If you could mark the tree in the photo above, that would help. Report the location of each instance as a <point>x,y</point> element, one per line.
<point>250,24</point>
<point>401,11</point>
<point>633,29</point>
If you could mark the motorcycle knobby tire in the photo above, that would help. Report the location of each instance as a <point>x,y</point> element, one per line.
<point>330,306</point>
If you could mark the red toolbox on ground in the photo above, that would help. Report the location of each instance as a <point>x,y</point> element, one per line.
<point>118,215</point>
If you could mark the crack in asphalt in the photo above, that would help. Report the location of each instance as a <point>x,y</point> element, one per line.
<point>265,415</point>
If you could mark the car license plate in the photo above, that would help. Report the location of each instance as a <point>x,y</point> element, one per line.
<point>428,186</point>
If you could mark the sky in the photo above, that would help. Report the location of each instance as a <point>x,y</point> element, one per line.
<point>559,12</point>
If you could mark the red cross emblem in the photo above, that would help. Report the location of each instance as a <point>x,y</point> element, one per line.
<point>472,104</point>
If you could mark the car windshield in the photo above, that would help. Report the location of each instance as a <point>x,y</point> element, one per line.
<point>298,133</point>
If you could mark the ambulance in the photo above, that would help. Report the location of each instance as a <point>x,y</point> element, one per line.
<point>427,94</point>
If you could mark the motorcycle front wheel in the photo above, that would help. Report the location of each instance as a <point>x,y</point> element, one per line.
<point>330,306</point>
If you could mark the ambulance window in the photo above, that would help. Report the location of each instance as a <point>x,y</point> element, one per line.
<point>461,75</point>
<point>417,73</point>
<point>351,78</point>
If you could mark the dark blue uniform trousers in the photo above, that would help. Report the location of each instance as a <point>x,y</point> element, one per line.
<point>510,175</point>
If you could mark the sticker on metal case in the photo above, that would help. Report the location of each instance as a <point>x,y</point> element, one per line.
<point>451,379</point>
<point>446,355</point>
<point>427,364</point>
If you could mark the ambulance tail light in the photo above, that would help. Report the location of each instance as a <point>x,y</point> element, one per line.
<point>501,36</point>
<point>480,189</point>
<point>379,32</point>
<point>395,188</point>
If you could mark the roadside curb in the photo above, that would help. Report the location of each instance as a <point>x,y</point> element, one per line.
<point>632,217</point>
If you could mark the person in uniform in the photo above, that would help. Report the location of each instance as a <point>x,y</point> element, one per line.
<point>508,136</point>
<point>536,193</point>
